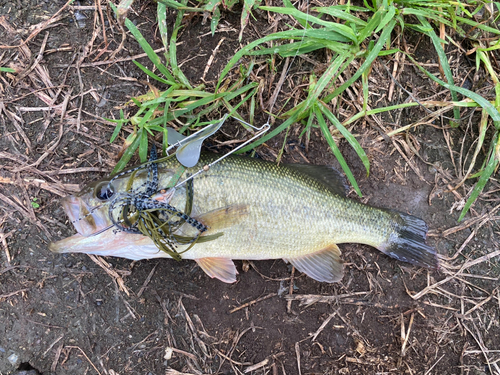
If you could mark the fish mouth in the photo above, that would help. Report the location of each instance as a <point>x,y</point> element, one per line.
<point>86,220</point>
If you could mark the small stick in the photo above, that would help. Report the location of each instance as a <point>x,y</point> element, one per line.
<point>232,360</point>
<point>257,366</point>
<point>440,306</point>
<point>190,355</point>
<point>480,351</point>
<point>277,90</point>
<point>39,58</point>
<point>104,265</point>
<point>310,299</point>
<point>405,335</point>
<point>146,282</point>
<point>323,325</point>
<point>55,143</point>
<point>85,355</point>
<point>235,343</point>
<point>22,210</point>
<point>56,358</point>
<point>479,340</point>
<point>16,121</point>
<point>40,27</point>
<point>486,300</point>
<point>290,292</point>
<point>394,71</point>
<point>3,240</point>
<point>465,266</point>
<point>2,296</point>
<point>110,61</point>
<point>105,39</point>
<point>434,365</point>
<point>252,302</point>
<point>211,59</point>
<point>52,345</point>
<point>76,170</point>
<point>264,363</point>
<point>466,224</point>
<point>297,352</point>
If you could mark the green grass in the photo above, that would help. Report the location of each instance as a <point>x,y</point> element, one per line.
<point>365,40</point>
<point>354,35</point>
<point>180,102</point>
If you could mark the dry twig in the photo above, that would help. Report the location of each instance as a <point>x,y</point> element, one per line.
<point>111,272</point>
<point>253,302</point>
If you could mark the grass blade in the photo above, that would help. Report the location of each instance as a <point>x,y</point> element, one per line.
<point>179,6</point>
<point>331,72</point>
<point>143,146</point>
<point>292,119</point>
<point>146,47</point>
<point>372,55</point>
<point>478,25</point>
<point>338,13</point>
<point>151,74</point>
<point>129,152</point>
<point>215,20</point>
<point>444,64</point>
<point>344,30</point>
<point>385,20</point>
<point>177,72</point>
<point>485,176</point>
<point>331,142</point>
<point>119,124</point>
<point>245,15</point>
<point>162,27</point>
<point>484,103</point>
<point>347,135</point>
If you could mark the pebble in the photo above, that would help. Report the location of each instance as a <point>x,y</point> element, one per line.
<point>13,359</point>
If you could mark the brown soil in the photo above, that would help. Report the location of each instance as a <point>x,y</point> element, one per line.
<point>64,314</point>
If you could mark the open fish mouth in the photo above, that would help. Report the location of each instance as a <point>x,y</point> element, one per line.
<point>86,220</point>
<point>95,235</point>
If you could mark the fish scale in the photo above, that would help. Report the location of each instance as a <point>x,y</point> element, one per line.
<point>292,214</point>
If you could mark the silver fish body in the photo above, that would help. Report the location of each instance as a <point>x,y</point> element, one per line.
<point>259,210</point>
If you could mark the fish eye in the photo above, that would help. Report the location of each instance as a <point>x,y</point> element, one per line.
<point>104,191</point>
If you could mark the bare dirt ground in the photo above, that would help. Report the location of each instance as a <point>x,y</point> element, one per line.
<point>75,314</point>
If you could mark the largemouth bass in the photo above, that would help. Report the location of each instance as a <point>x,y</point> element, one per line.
<point>244,208</point>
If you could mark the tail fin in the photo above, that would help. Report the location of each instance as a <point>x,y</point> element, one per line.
<point>408,242</point>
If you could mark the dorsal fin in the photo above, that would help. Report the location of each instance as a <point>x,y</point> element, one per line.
<point>328,176</point>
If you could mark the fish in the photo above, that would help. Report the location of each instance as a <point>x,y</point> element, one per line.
<point>240,208</point>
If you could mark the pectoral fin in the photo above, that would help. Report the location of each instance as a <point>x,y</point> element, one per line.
<point>225,217</point>
<point>221,268</point>
<point>324,265</point>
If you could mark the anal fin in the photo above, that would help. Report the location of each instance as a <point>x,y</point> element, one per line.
<point>323,265</point>
<point>220,268</point>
